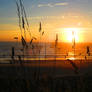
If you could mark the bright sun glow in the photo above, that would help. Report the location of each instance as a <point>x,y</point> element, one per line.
<point>72,33</point>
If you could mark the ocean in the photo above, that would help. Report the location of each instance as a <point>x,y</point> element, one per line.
<point>46,49</point>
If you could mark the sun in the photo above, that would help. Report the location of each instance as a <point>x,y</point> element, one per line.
<point>72,33</point>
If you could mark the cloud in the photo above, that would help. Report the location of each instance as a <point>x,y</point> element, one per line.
<point>46,17</point>
<point>45,5</point>
<point>8,27</point>
<point>61,4</point>
<point>53,5</point>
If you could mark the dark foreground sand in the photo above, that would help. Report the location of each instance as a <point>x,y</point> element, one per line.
<point>49,67</point>
<point>46,76</point>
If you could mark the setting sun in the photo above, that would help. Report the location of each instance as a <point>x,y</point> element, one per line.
<point>70,36</point>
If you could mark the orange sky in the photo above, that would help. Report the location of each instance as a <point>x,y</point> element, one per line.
<point>56,18</point>
<point>61,25</point>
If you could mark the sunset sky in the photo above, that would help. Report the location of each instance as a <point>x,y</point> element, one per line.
<point>57,16</point>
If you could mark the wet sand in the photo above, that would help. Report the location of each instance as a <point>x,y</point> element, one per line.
<point>49,67</point>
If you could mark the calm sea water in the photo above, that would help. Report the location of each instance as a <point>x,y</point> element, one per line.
<point>46,49</point>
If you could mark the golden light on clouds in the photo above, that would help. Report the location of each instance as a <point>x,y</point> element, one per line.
<point>9,35</point>
<point>63,25</point>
